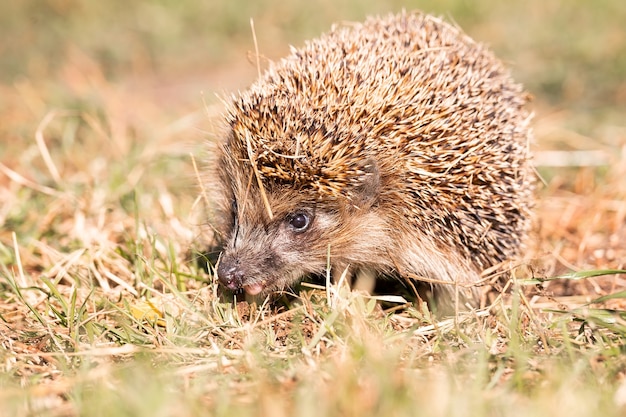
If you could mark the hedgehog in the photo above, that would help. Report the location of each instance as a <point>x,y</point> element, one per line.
<point>396,147</point>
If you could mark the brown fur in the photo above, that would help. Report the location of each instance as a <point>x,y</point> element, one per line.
<point>404,142</point>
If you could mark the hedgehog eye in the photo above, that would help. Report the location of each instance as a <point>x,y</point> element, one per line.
<point>299,221</point>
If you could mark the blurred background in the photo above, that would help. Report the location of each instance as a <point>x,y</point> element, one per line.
<point>143,77</point>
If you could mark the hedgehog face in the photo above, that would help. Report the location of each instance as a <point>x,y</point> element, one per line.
<point>281,228</point>
<point>262,255</point>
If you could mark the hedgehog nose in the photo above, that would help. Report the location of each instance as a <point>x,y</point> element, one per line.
<point>230,276</point>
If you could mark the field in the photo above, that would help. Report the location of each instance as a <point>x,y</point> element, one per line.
<point>105,106</point>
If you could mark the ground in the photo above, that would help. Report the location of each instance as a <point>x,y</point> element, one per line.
<point>105,109</point>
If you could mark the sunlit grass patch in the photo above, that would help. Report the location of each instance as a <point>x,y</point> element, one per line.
<point>255,361</point>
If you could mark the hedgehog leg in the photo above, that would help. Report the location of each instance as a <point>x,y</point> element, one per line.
<point>365,280</point>
<point>341,273</point>
<point>361,279</point>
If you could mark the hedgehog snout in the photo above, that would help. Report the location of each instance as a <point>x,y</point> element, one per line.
<point>230,274</point>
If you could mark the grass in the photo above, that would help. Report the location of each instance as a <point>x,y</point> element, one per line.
<point>104,312</point>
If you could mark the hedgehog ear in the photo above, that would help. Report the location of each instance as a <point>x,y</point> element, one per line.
<point>365,194</point>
